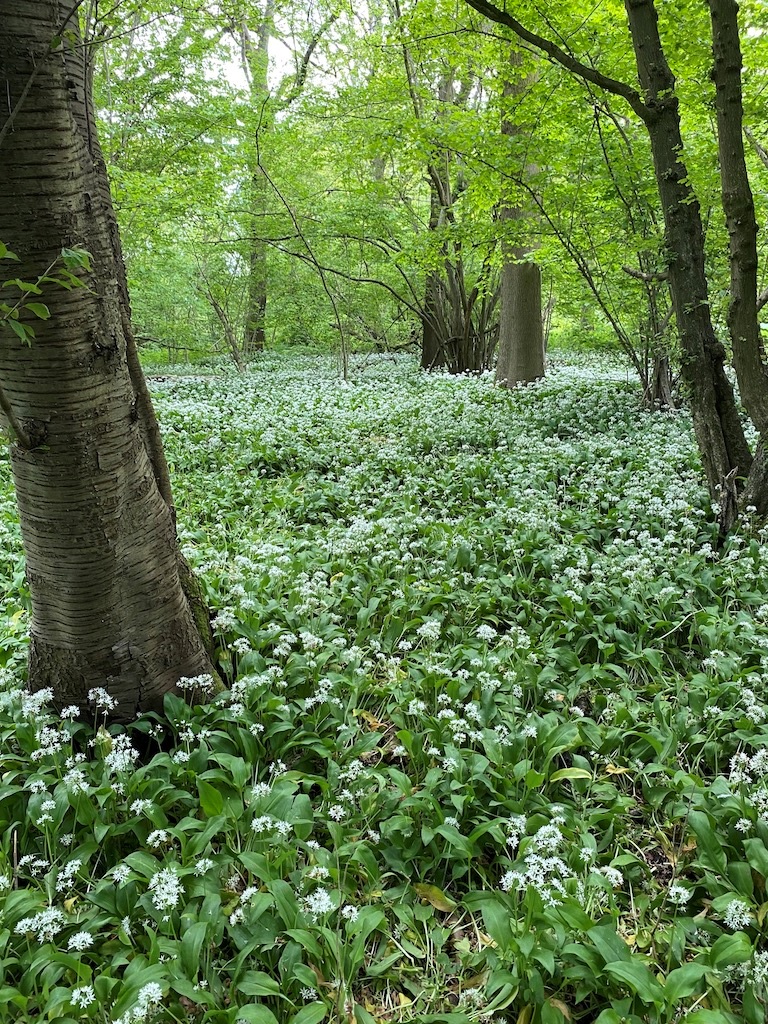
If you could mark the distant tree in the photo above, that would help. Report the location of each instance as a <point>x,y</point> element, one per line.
<point>111,595</point>
<point>729,465</point>
<point>521,332</point>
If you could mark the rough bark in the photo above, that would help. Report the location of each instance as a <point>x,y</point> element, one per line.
<point>719,434</point>
<point>739,209</point>
<point>108,607</point>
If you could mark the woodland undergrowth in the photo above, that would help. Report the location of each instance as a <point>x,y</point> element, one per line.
<point>494,743</point>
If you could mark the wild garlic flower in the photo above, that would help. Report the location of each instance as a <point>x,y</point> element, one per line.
<point>317,903</point>
<point>678,894</point>
<point>46,925</point>
<point>101,699</point>
<point>166,889</point>
<point>80,941</point>
<point>82,997</point>
<point>737,915</point>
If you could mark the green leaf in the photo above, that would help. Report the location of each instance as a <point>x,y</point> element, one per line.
<point>257,983</point>
<point>684,981</point>
<point>211,800</point>
<point>254,1013</point>
<point>313,1013</point>
<point>435,896</point>
<point>76,258</point>
<point>731,949</point>
<point>710,852</point>
<point>757,855</point>
<point>638,979</point>
<point>570,773</point>
<point>23,331</point>
<point>39,309</point>
<point>191,944</point>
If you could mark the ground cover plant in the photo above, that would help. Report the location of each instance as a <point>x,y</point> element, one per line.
<point>493,743</point>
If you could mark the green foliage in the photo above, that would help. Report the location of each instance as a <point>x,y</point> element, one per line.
<point>493,742</point>
<point>59,274</point>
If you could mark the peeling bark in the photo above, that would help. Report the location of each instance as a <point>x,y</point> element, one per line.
<point>108,607</point>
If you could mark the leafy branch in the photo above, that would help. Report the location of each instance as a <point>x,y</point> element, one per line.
<point>60,272</point>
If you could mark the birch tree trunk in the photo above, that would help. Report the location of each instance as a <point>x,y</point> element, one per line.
<point>103,565</point>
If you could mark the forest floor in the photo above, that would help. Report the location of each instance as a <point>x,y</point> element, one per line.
<point>494,746</point>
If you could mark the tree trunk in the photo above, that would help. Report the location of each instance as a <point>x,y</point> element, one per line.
<point>739,208</point>
<point>521,338</point>
<point>521,331</point>
<point>432,347</point>
<point>256,61</point>
<point>103,565</point>
<point>716,422</point>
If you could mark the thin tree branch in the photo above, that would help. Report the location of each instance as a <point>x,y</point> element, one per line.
<point>559,56</point>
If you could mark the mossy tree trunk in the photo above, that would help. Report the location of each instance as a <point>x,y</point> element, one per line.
<point>103,563</point>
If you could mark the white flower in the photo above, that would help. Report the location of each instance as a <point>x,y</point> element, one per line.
<point>122,755</point>
<point>429,630</point>
<point>166,888</point>
<point>82,997</point>
<point>101,700</point>
<point>67,874</point>
<point>203,865</point>
<point>47,924</point>
<point>486,632</point>
<point>120,873</point>
<point>679,895</point>
<point>317,903</point>
<point>337,812</point>
<point>737,915</point>
<point>157,838</point>
<point>80,941</point>
<point>350,912</point>
<point>70,712</point>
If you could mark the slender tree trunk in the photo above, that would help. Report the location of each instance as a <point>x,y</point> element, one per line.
<point>739,208</point>
<point>256,59</point>
<point>716,421</point>
<point>433,353</point>
<point>103,565</point>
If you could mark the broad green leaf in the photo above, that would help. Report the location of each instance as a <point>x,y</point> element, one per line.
<point>570,773</point>
<point>638,979</point>
<point>211,800</point>
<point>435,896</point>
<point>191,944</point>
<point>709,849</point>
<point>684,981</point>
<point>731,949</point>
<point>313,1013</point>
<point>253,1013</point>
<point>257,983</point>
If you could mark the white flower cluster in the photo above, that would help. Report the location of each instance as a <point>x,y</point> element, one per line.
<point>166,888</point>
